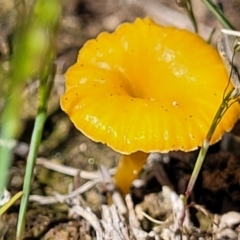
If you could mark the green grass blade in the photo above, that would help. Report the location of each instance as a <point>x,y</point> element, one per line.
<point>40,37</point>
<point>218,14</point>
<point>34,145</point>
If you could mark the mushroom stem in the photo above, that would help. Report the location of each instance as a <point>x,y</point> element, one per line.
<point>128,168</point>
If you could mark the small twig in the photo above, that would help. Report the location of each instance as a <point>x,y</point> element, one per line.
<point>43,200</point>
<point>199,208</point>
<point>91,218</point>
<point>71,171</point>
<point>85,187</point>
<point>119,222</point>
<point>112,223</point>
<point>133,220</point>
<point>141,213</point>
<point>62,198</point>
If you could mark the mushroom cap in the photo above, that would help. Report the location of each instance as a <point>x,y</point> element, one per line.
<point>147,88</point>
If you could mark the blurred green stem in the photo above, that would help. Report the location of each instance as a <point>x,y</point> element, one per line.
<point>44,93</point>
<point>192,16</point>
<point>218,14</point>
<point>10,118</point>
<point>34,56</point>
<point>211,36</point>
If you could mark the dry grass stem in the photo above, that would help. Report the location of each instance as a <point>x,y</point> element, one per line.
<point>62,198</point>
<point>71,171</point>
<point>87,214</point>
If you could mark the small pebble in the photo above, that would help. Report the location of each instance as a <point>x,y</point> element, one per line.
<point>229,219</point>
<point>138,183</point>
<point>226,233</point>
<point>83,147</point>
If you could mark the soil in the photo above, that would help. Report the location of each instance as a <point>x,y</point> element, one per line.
<point>217,188</point>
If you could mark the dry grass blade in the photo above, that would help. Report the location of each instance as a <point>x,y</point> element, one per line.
<point>69,170</point>
<point>62,198</point>
<point>91,218</point>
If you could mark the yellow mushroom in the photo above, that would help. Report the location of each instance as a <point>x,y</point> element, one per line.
<point>146,88</point>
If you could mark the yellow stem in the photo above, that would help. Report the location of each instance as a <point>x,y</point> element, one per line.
<point>128,169</point>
